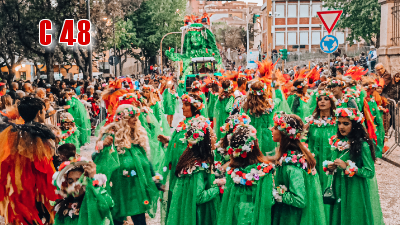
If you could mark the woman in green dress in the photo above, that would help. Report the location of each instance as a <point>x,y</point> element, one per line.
<point>223,106</point>
<point>298,102</point>
<point>297,190</point>
<point>170,101</point>
<point>84,199</point>
<point>247,198</point>
<point>133,183</point>
<point>352,166</point>
<point>196,86</point>
<point>194,198</point>
<point>192,104</point>
<point>213,89</point>
<point>81,118</point>
<point>69,132</point>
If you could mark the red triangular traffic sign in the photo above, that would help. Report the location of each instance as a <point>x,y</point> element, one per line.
<point>329,18</point>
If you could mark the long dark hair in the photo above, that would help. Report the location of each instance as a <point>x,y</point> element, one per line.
<point>254,156</point>
<point>357,135</point>
<point>194,110</point>
<point>199,152</point>
<point>225,94</point>
<point>317,111</point>
<point>298,82</point>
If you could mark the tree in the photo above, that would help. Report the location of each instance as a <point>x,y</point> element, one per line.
<point>362,17</point>
<point>234,37</point>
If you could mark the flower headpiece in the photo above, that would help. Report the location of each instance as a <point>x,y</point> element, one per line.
<point>66,117</point>
<point>352,114</point>
<point>281,121</point>
<point>333,83</point>
<point>196,103</point>
<point>230,87</point>
<point>128,111</point>
<point>234,120</point>
<point>321,93</point>
<point>259,92</point>
<point>248,138</point>
<point>198,128</point>
<point>301,85</point>
<point>196,85</point>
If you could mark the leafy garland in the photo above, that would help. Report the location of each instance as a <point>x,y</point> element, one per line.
<point>251,174</point>
<point>321,121</point>
<point>337,144</point>
<point>197,167</point>
<point>181,127</point>
<point>297,160</point>
<point>66,135</point>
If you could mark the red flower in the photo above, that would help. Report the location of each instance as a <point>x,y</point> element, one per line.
<point>249,183</point>
<point>244,155</point>
<point>239,173</point>
<point>325,169</point>
<point>185,172</point>
<point>221,190</point>
<point>95,183</point>
<point>197,116</point>
<point>195,135</point>
<point>292,152</point>
<point>259,167</point>
<point>266,170</point>
<point>284,155</point>
<point>238,150</point>
<point>222,130</point>
<point>230,151</point>
<point>230,172</point>
<point>146,202</point>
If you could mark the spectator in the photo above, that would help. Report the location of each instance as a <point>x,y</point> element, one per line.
<point>12,92</point>
<point>394,88</point>
<point>383,73</point>
<point>89,91</point>
<point>52,99</point>
<point>3,89</point>
<point>363,60</point>
<point>20,94</point>
<point>48,88</point>
<point>339,71</point>
<point>41,93</point>
<point>372,58</point>
<point>351,63</point>
<point>49,112</point>
<point>84,87</point>
<point>28,89</point>
<point>78,88</point>
<point>6,102</point>
<point>41,83</point>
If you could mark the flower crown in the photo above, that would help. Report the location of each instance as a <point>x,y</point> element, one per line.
<point>148,87</point>
<point>198,127</point>
<point>233,121</point>
<point>196,103</point>
<point>321,93</point>
<point>352,114</point>
<point>259,92</point>
<point>249,139</point>
<point>334,83</point>
<point>197,86</point>
<point>301,85</point>
<point>230,86</point>
<point>281,121</point>
<point>131,111</point>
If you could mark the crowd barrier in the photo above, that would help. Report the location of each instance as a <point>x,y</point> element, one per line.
<point>394,132</point>
<point>56,118</point>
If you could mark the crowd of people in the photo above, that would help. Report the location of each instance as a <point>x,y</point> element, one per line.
<point>254,147</point>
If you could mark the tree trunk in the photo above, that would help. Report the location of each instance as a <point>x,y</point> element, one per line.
<point>49,59</point>
<point>11,74</point>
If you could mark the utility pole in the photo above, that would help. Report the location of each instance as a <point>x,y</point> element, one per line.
<point>247,26</point>
<point>90,46</point>
<point>115,48</point>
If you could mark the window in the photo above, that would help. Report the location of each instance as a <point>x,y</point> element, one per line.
<point>304,10</point>
<point>23,76</point>
<point>316,37</point>
<point>280,11</point>
<point>280,38</point>
<point>292,11</point>
<point>292,38</point>
<point>304,38</point>
<point>340,37</point>
<point>315,8</point>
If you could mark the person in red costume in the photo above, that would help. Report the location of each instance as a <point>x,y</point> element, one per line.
<point>26,167</point>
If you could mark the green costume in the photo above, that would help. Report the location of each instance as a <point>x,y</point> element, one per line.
<point>247,205</point>
<point>222,111</point>
<point>94,210</point>
<point>170,102</point>
<point>211,103</point>
<point>299,105</point>
<point>81,119</point>
<point>73,139</point>
<point>353,194</point>
<point>302,201</point>
<point>158,112</point>
<point>204,110</point>
<point>194,199</point>
<point>380,130</point>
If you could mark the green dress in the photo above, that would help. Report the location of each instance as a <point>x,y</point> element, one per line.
<point>346,102</point>
<point>194,199</point>
<point>302,202</point>
<point>244,204</point>
<point>81,119</point>
<point>222,111</point>
<point>158,112</point>
<point>133,184</point>
<point>299,105</point>
<point>380,130</point>
<point>211,104</point>
<point>170,102</point>
<point>204,110</point>
<point>353,205</point>
<point>95,209</point>
<point>73,139</point>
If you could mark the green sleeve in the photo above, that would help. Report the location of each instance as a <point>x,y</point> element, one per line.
<point>368,169</point>
<point>203,195</point>
<point>295,195</point>
<point>228,107</point>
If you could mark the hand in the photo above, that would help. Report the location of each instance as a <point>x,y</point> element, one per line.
<point>340,163</point>
<point>90,169</point>
<point>108,141</point>
<point>52,112</point>
<point>67,107</point>
<point>332,167</point>
<point>163,139</point>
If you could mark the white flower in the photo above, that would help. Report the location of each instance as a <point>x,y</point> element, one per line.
<point>201,134</point>
<point>249,176</point>
<point>246,148</point>
<point>70,213</point>
<point>101,178</point>
<point>292,131</point>
<point>236,180</point>
<point>165,169</point>
<point>261,173</point>
<point>253,171</point>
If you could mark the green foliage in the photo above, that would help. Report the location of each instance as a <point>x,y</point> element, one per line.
<point>362,17</point>
<point>234,37</point>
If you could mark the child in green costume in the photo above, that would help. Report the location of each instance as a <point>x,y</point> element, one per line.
<point>170,101</point>
<point>297,190</point>
<point>69,132</point>
<point>213,89</point>
<point>85,201</point>
<point>194,198</point>
<point>247,197</point>
<point>299,102</point>
<point>352,167</point>
<point>223,106</point>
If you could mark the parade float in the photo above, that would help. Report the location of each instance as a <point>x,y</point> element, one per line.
<point>199,55</point>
